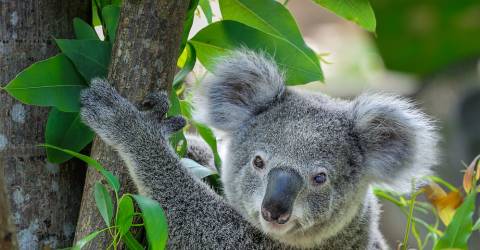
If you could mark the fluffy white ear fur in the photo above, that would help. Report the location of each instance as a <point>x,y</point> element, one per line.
<point>243,84</point>
<point>398,140</point>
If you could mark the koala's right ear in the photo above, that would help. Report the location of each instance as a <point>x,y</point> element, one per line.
<point>243,84</point>
<point>399,141</point>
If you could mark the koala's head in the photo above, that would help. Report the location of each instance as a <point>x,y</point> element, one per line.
<point>302,161</point>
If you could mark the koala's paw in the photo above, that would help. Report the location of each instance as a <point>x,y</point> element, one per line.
<point>157,106</point>
<point>106,112</point>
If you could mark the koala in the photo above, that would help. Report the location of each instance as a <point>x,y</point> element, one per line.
<point>298,168</point>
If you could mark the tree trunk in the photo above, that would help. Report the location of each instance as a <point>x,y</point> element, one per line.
<point>143,59</point>
<point>44,198</point>
<point>8,239</point>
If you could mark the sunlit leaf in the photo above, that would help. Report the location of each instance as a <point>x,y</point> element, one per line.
<point>125,214</point>
<point>65,130</point>
<point>187,25</point>
<point>103,202</point>
<point>460,229</point>
<point>155,222</point>
<point>222,37</point>
<point>53,82</point>
<point>477,225</point>
<point>111,179</point>
<point>187,65</point>
<point>445,203</point>
<point>91,57</point>
<point>207,9</point>
<point>196,169</point>
<point>357,11</point>
<point>81,243</point>
<point>268,16</point>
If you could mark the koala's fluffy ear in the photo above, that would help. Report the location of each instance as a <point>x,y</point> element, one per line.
<point>398,140</point>
<point>243,84</point>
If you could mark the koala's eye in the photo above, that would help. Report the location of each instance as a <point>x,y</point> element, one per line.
<point>320,178</point>
<point>258,162</point>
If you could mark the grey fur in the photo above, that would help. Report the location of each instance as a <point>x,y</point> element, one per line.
<point>374,138</point>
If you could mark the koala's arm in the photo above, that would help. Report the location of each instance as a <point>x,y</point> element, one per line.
<point>196,215</point>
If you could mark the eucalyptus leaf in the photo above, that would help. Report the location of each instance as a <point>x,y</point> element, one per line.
<point>81,243</point>
<point>357,11</point>
<point>207,134</point>
<point>83,30</point>
<point>461,227</point>
<point>476,227</point>
<point>196,169</point>
<point>91,57</point>
<point>111,179</point>
<point>104,202</point>
<point>131,242</point>
<point>125,214</point>
<point>207,9</point>
<point>155,222</point>
<point>187,66</point>
<point>111,15</point>
<point>53,82</point>
<point>268,16</point>
<point>187,25</point>
<point>222,37</point>
<point>65,130</point>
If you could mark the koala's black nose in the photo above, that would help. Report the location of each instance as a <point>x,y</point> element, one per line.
<point>282,190</point>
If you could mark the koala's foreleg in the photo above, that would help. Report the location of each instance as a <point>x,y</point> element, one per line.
<point>197,216</point>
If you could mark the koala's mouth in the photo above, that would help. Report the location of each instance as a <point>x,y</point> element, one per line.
<point>277,229</point>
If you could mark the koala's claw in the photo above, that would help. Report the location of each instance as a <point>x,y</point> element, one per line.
<point>156,102</point>
<point>173,124</point>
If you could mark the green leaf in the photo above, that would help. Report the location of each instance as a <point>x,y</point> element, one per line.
<point>83,30</point>
<point>66,130</point>
<point>268,16</point>
<point>111,14</point>
<point>131,242</point>
<point>53,82</point>
<point>81,243</point>
<point>219,38</point>
<point>125,214</point>
<point>460,228</point>
<point>103,202</point>
<point>196,169</point>
<point>117,3</point>
<point>187,25</point>
<point>96,20</point>
<point>207,134</point>
<point>155,222</point>
<point>207,9</point>
<point>91,57</point>
<point>357,11</point>
<point>187,67</point>
<point>111,179</point>
<point>177,140</point>
<point>477,225</point>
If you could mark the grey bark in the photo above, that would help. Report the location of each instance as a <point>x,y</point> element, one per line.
<point>8,239</point>
<point>43,198</point>
<point>143,60</point>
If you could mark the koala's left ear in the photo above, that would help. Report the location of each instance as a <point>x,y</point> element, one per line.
<point>244,83</point>
<point>399,141</point>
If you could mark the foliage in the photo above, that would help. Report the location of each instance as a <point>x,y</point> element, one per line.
<point>422,37</point>
<point>453,209</point>
<point>119,216</point>
<point>56,82</point>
